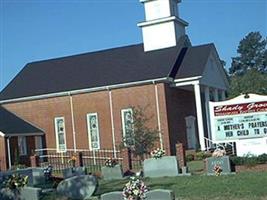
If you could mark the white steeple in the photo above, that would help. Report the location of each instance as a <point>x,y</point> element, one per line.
<point>162,27</point>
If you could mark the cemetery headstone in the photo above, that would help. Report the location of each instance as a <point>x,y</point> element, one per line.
<point>160,194</point>
<point>165,166</point>
<point>76,171</point>
<point>112,196</point>
<point>112,173</point>
<point>78,187</point>
<point>222,161</point>
<point>36,175</point>
<point>26,193</point>
<point>30,193</point>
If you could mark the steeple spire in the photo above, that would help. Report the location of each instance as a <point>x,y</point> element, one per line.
<point>162,27</point>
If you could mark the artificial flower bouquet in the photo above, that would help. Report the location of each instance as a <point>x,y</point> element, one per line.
<point>158,153</point>
<point>135,189</point>
<point>217,170</point>
<point>111,162</point>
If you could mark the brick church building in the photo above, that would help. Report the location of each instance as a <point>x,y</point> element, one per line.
<point>84,101</point>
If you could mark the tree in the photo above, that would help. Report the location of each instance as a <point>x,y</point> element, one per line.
<point>252,55</point>
<point>248,72</point>
<point>141,138</point>
<point>252,81</point>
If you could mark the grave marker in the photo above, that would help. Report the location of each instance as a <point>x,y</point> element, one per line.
<point>165,166</point>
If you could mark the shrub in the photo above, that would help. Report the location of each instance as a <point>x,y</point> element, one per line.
<point>249,160</point>
<point>189,157</point>
<point>236,160</point>
<point>201,155</point>
<point>262,158</point>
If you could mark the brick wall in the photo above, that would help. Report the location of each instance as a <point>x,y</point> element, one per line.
<point>180,104</point>
<point>41,113</point>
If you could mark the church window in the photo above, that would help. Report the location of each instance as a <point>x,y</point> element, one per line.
<point>127,126</point>
<point>60,134</point>
<point>93,131</point>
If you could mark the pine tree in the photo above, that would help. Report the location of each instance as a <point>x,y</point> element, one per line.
<point>252,55</point>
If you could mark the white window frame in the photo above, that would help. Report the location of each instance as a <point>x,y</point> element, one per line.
<point>22,145</point>
<point>56,132</point>
<point>123,122</point>
<point>89,131</point>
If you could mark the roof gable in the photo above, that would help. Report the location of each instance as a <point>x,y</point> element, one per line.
<point>194,61</point>
<point>213,74</point>
<point>10,124</point>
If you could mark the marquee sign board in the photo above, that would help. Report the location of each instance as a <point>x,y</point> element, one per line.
<point>239,118</point>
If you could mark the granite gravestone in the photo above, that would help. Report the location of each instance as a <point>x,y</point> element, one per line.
<point>26,193</point>
<point>76,171</point>
<point>112,196</point>
<point>78,187</point>
<point>35,175</point>
<point>160,194</point>
<point>30,193</point>
<point>222,161</point>
<point>112,173</point>
<point>165,166</point>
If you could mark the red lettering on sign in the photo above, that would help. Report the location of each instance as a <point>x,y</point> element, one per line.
<point>240,108</point>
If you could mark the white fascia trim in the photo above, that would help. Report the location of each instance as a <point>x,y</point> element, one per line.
<point>186,83</point>
<point>162,20</point>
<point>187,79</point>
<point>2,134</point>
<point>23,134</point>
<point>72,92</point>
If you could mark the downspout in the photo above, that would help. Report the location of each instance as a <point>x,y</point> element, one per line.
<point>112,122</point>
<point>73,123</point>
<point>8,153</point>
<point>158,114</point>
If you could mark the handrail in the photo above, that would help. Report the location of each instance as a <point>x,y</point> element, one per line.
<point>207,141</point>
<point>79,150</point>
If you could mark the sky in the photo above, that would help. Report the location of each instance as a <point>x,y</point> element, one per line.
<point>32,30</point>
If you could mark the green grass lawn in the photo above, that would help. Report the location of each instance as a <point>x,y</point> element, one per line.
<point>247,186</point>
<point>241,186</point>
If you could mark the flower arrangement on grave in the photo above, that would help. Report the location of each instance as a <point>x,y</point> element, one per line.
<point>16,181</point>
<point>48,172</point>
<point>72,160</point>
<point>157,153</point>
<point>217,170</point>
<point>135,189</point>
<point>111,162</point>
<point>218,153</point>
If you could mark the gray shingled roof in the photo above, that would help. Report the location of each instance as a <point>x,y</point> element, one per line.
<point>194,61</point>
<point>107,67</point>
<point>10,124</point>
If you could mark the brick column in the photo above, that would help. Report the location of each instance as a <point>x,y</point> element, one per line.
<point>180,154</point>
<point>126,162</point>
<point>3,158</point>
<point>35,161</point>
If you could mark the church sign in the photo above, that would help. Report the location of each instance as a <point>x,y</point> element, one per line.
<point>244,117</point>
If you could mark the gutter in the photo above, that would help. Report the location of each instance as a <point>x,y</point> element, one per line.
<point>81,91</point>
<point>187,79</point>
<point>22,134</point>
